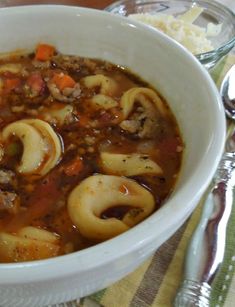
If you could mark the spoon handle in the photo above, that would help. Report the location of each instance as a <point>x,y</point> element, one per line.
<point>206,249</point>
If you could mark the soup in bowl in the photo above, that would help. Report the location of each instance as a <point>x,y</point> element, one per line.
<point>106,148</point>
<point>88,151</point>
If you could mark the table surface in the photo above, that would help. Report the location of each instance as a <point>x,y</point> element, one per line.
<point>100,4</point>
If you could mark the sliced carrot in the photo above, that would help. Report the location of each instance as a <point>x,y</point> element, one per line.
<point>11,84</point>
<point>74,167</point>
<point>62,81</point>
<point>44,52</point>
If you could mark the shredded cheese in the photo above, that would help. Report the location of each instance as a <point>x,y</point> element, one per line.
<point>191,15</point>
<point>182,29</point>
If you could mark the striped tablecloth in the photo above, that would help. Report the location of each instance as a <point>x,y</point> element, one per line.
<point>156,281</point>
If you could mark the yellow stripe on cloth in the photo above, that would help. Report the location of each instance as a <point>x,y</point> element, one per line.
<point>120,294</point>
<point>173,276</point>
<point>219,72</point>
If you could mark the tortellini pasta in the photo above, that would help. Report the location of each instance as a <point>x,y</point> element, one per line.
<point>57,114</point>
<point>103,101</point>
<point>35,233</point>
<point>34,146</point>
<point>107,85</point>
<point>13,68</point>
<point>145,96</point>
<point>41,145</point>
<point>128,164</point>
<point>30,243</point>
<point>97,193</point>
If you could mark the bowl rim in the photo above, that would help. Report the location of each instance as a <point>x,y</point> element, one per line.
<point>212,3</point>
<point>113,249</point>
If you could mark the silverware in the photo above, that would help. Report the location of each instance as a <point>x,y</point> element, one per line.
<point>206,249</point>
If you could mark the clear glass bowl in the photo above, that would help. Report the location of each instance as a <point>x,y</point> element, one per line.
<point>213,12</point>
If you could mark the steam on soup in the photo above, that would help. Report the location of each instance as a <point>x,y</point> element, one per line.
<point>87,151</point>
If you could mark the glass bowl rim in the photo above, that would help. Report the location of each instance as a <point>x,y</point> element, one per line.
<point>221,50</point>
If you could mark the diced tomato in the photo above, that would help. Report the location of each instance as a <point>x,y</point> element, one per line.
<point>74,167</point>
<point>42,201</point>
<point>36,83</point>
<point>82,120</point>
<point>105,118</point>
<point>11,84</point>
<point>123,189</point>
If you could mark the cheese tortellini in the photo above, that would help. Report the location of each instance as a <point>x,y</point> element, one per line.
<point>97,193</point>
<point>13,68</point>
<point>128,164</point>
<point>29,243</point>
<point>107,85</point>
<point>103,101</point>
<point>39,234</point>
<point>41,145</point>
<point>145,96</point>
<point>57,114</point>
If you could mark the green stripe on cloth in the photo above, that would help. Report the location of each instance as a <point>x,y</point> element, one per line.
<point>98,296</point>
<point>217,72</point>
<point>224,277</point>
<point>173,276</point>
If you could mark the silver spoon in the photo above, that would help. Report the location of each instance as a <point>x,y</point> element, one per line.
<point>207,246</point>
<point>227,92</point>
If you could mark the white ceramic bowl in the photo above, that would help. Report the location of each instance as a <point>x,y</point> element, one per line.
<point>194,99</point>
